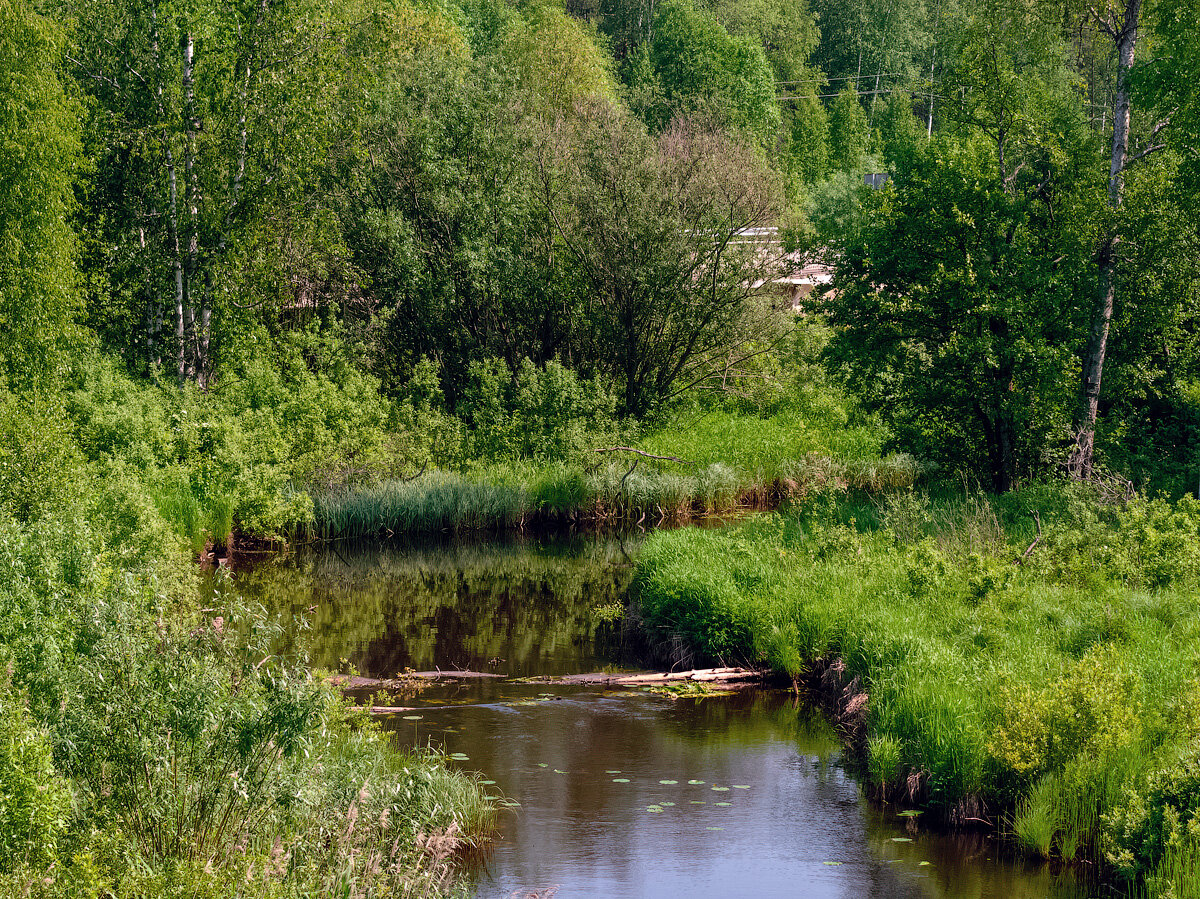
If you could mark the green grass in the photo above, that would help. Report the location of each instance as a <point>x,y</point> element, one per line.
<point>633,490</point>
<point>1041,694</point>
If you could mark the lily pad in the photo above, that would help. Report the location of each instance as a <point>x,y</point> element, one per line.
<point>696,783</point>
<point>720,789</point>
<point>901,839</point>
<point>666,804</point>
<point>722,804</point>
<point>654,808</point>
<point>909,813</point>
<point>413,717</point>
<point>620,780</point>
<point>615,771</point>
<point>556,771</point>
<point>922,864</point>
<point>697,802</point>
<point>543,765</point>
<point>832,864</point>
<point>669,782</point>
<point>460,756</point>
<point>741,786</point>
<point>487,783</point>
<point>714,828</point>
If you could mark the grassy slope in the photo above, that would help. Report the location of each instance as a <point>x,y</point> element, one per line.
<point>1033,696</point>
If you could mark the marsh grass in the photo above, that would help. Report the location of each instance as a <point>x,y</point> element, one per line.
<point>635,492</point>
<point>197,520</point>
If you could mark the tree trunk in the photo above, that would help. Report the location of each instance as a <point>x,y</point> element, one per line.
<point>1080,461</point>
<point>196,362</point>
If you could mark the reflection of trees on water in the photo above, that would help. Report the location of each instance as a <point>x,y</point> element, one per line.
<point>387,607</point>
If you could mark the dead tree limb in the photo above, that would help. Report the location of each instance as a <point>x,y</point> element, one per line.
<point>630,449</point>
<point>1036,540</point>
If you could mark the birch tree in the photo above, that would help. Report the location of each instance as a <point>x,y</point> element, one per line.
<point>206,117</point>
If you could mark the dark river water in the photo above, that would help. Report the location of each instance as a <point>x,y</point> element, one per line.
<point>616,793</point>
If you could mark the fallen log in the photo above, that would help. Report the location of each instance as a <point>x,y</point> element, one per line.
<point>699,675</point>
<point>356,682</point>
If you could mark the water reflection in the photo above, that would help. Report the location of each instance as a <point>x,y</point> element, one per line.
<point>622,794</point>
<point>516,607</point>
<point>632,795</point>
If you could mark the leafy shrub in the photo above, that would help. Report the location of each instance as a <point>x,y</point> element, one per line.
<point>1160,819</point>
<point>34,799</point>
<point>1093,708</point>
<point>542,414</point>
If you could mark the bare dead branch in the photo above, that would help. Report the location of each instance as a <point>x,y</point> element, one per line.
<point>630,449</point>
<point>1036,540</point>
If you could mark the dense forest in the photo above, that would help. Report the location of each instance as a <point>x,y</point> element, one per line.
<point>280,270</point>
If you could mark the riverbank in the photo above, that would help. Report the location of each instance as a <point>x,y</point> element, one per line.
<point>153,748</point>
<point>1050,693</point>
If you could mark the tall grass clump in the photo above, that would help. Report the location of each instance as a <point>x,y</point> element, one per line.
<point>435,502</point>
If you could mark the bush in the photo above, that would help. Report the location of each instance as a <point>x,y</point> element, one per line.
<point>34,800</point>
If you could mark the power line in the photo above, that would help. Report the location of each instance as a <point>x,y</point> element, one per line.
<point>838,78</point>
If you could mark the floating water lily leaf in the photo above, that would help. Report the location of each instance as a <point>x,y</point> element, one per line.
<point>696,783</point>
<point>487,783</point>
<point>901,839</point>
<point>654,808</point>
<point>413,717</point>
<point>697,802</point>
<point>720,789</point>
<point>615,771</point>
<point>722,804</point>
<point>669,782</point>
<point>666,804</point>
<point>460,757</point>
<point>741,786</point>
<point>831,864</point>
<point>714,828</point>
<point>556,771</point>
<point>921,864</point>
<point>620,780</point>
<point>908,813</point>
<point>543,765</point>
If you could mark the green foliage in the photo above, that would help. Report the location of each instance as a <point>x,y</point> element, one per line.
<point>950,316</point>
<point>700,69</point>
<point>537,414</point>
<point>847,131</point>
<point>1157,824</point>
<point>40,151</point>
<point>40,467</point>
<point>558,59</point>
<point>34,800</point>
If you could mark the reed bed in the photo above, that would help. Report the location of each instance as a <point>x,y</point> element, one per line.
<point>634,493</point>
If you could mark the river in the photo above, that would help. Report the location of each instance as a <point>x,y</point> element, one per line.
<point>615,793</point>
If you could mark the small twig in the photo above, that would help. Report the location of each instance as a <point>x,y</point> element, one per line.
<point>630,449</point>
<point>1036,540</point>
